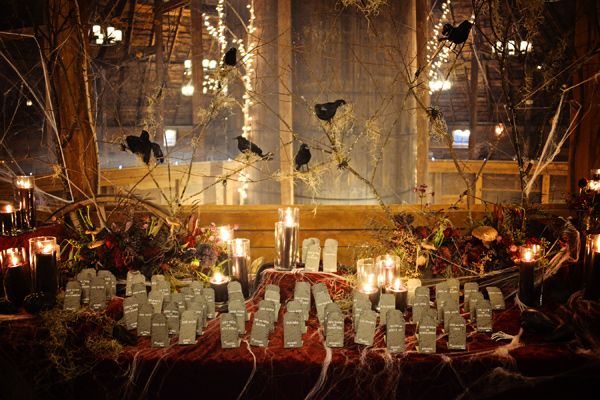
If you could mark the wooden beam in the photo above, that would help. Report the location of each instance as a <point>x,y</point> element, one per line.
<point>197,56</point>
<point>284,60</point>
<point>172,5</point>
<point>422,120</point>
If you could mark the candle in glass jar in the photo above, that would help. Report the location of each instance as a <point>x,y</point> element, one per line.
<point>8,219</point>
<point>219,283</point>
<point>286,239</point>
<point>591,264</point>
<point>26,200</point>
<point>400,292</point>
<point>43,254</point>
<point>387,266</point>
<point>527,264</point>
<point>239,263</point>
<point>16,280</point>
<point>368,277</point>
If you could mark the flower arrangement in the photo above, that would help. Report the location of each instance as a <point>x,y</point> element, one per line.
<point>586,204</point>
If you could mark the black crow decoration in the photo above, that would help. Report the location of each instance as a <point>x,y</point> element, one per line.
<point>326,111</point>
<point>302,157</point>
<point>246,146</point>
<point>456,35</point>
<point>230,57</point>
<point>143,147</point>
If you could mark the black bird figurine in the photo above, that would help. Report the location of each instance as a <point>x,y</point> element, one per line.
<point>326,111</point>
<point>456,35</point>
<point>143,147</point>
<point>246,146</point>
<point>302,157</point>
<point>230,57</point>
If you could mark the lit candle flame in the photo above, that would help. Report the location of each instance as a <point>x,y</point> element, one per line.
<point>397,284</point>
<point>8,208</point>
<point>389,261</point>
<point>597,249</point>
<point>528,255</point>
<point>23,183</point>
<point>225,233</point>
<point>289,218</point>
<point>218,277</point>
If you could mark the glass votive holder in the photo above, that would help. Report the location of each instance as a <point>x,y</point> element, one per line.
<point>400,292</point>
<point>16,279</point>
<point>225,233</point>
<point>239,263</point>
<point>368,282</point>
<point>24,196</point>
<point>9,218</point>
<point>43,253</point>
<point>388,265</point>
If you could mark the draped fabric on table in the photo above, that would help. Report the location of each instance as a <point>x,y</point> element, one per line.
<point>204,370</point>
<point>6,242</point>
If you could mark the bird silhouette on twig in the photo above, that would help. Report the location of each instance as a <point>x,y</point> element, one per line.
<point>302,157</point>
<point>456,35</point>
<point>326,111</point>
<point>246,146</point>
<point>143,147</point>
<point>230,58</point>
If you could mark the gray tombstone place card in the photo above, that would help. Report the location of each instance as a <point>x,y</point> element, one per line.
<point>441,289</point>
<point>188,327</point>
<point>269,305</point>
<point>441,302</point>
<point>272,293</point>
<point>330,251</point>
<point>474,298</point>
<point>483,312</point>
<point>132,278</point>
<point>411,285</point>
<point>394,331</point>
<point>144,320</point>
<point>329,308</point>
<point>454,288</point>
<point>154,280</point>
<point>306,244</point>
<point>171,311</point>
<point>365,331</point>
<point>155,298</point>
<point>111,283</point>
<point>209,295</point>
<point>420,307</point>
<point>321,300</point>
<point>236,296</point>
<point>259,336</point>
<point>292,330</point>
<point>97,293</point>
<point>159,332</point>
<point>496,298</point>
<point>457,333</point>
<point>451,309</point>
<point>130,312</point>
<point>165,288</point>
<point>358,307</point>
<point>138,290</point>
<point>357,295</point>
<point>387,301</point>
<point>302,295</point>
<point>296,306</point>
<point>469,289</point>
<point>84,279</point>
<point>72,296</point>
<point>177,298</point>
<point>319,288</point>
<point>313,258</point>
<point>197,287</point>
<point>426,334</point>
<point>188,293</point>
<point>230,338</point>
<point>334,330</point>
<point>234,287</point>
<point>90,271</point>
<point>238,309</point>
<point>199,310</point>
<point>422,291</point>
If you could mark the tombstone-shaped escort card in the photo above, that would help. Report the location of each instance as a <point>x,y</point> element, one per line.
<point>302,295</point>
<point>272,292</point>
<point>84,279</point>
<point>306,244</point>
<point>188,327</point>
<point>474,298</point>
<point>319,287</point>
<point>296,306</point>
<point>165,288</point>
<point>441,289</point>
<point>177,298</point>
<point>133,277</point>
<point>238,309</point>
<point>97,293</point>
<point>130,312</point>
<point>236,296</point>
<point>441,301</point>
<point>111,283</point>
<point>358,307</point>
<point>154,280</point>
<point>411,287</point>
<point>330,251</point>
<point>334,329</point>
<point>199,310</point>
<point>313,258</point>
<point>357,295</point>
<point>188,294</point>
<point>426,334</point>
<point>234,287</point>
<point>144,320</point>
<point>451,308</point>
<point>72,296</point>
<point>365,330</point>
<point>197,287</point>
<point>138,290</point>
<point>457,333</point>
<point>496,298</point>
<point>321,300</point>
<point>230,338</point>
<point>159,331</point>
<point>269,306</point>
<point>483,312</point>
<point>171,311</point>
<point>330,308</point>
<point>420,307</point>
<point>155,298</point>
<point>259,336</point>
<point>454,289</point>
<point>387,301</point>
<point>469,289</point>
<point>394,331</point>
<point>292,330</point>
<point>209,295</point>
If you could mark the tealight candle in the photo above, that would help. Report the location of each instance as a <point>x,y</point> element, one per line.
<point>286,239</point>
<point>239,263</point>
<point>16,279</point>
<point>219,283</point>
<point>24,186</point>
<point>8,219</point>
<point>591,265</point>
<point>400,292</point>
<point>527,263</point>
<point>43,252</point>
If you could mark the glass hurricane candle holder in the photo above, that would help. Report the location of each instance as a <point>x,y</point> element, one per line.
<point>9,219</point>
<point>368,281</point>
<point>388,265</point>
<point>239,263</point>
<point>400,292</point>
<point>43,253</point>
<point>591,267</point>
<point>286,239</point>
<point>15,275</point>
<point>218,281</point>
<point>25,198</point>
<point>528,260</point>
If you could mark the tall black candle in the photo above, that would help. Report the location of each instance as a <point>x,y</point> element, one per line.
<point>16,280</point>
<point>591,264</point>
<point>8,219</point>
<point>239,263</point>
<point>43,254</point>
<point>527,264</point>
<point>400,294</point>
<point>219,283</point>
<point>26,200</point>
<point>286,239</point>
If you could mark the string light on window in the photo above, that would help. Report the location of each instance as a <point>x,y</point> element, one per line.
<point>106,37</point>
<point>436,58</point>
<point>244,178</point>
<point>512,47</point>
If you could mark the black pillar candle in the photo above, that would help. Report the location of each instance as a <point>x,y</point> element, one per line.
<point>400,294</point>
<point>25,197</point>
<point>16,280</point>
<point>219,283</point>
<point>8,219</point>
<point>239,263</point>
<point>591,264</point>
<point>43,254</point>
<point>527,264</point>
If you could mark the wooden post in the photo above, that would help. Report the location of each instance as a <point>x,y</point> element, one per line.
<point>197,55</point>
<point>160,71</point>
<point>284,60</point>
<point>422,120</point>
<point>71,91</point>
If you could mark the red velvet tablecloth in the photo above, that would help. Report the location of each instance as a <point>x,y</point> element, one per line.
<point>56,230</point>
<point>526,366</point>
